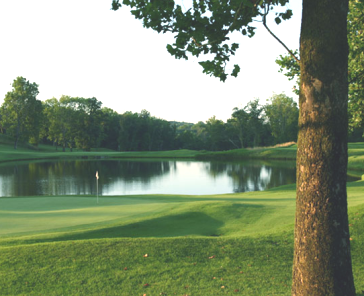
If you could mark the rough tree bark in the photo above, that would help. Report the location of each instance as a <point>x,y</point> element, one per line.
<point>322,261</point>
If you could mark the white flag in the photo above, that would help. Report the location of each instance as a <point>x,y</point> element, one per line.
<point>97,175</point>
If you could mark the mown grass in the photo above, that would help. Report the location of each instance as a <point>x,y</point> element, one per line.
<point>233,244</point>
<point>81,217</point>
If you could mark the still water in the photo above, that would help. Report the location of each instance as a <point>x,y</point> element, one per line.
<point>121,177</point>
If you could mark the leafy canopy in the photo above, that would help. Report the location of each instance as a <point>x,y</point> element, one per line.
<point>205,27</point>
<point>356,62</point>
<point>20,107</point>
<point>291,68</point>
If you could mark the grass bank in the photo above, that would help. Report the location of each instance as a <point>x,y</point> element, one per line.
<point>285,152</point>
<point>355,153</point>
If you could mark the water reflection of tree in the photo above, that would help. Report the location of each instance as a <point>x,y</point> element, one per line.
<point>76,177</point>
<point>254,176</point>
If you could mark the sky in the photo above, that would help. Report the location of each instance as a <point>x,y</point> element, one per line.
<point>81,48</point>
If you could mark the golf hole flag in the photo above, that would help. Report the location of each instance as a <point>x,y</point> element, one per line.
<point>97,185</point>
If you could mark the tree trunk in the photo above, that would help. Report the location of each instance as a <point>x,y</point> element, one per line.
<point>16,143</point>
<point>241,138</point>
<point>17,135</point>
<point>322,261</point>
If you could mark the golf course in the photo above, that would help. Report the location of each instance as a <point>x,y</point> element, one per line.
<point>227,244</point>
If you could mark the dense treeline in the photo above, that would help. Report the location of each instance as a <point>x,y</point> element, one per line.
<point>82,123</point>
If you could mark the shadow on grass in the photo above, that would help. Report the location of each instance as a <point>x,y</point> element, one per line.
<point>189,223</point>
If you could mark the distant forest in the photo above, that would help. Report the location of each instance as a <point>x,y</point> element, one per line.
<point>82,123</point>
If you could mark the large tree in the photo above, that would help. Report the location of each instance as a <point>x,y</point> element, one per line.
<point>322,262</point>
<point>282,114</point>
<point>21,110</point>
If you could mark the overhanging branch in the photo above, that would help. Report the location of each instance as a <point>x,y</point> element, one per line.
<point>289,51</point>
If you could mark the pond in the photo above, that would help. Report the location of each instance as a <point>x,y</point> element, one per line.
<point>130,177</point>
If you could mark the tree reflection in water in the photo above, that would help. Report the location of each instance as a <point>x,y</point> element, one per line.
<point>258,175</point>
<point>119,177</point>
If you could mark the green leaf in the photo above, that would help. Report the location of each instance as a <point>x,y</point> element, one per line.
<point>234,46</point>
<point>170,49</point>
<point>235,71</point>
<point>248,3</point>
<point>287,15</point>
<point>115,5</point>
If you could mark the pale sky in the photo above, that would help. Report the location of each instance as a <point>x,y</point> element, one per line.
<point>83,48</point>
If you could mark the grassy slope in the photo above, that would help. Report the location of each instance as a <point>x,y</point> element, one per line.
<point>234,215</point>
<point>235,244</point>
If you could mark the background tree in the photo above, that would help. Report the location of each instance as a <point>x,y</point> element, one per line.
<point>200,131</point>
<point>165,135</point>
<point>75,122</point>
<point>87,126</point>
<point>147,130</point>
<point>52,123</point>
<point>216,139</point>
<point>186,139</point>
<point>110,129</point>
<point>238,122</point>
<point>18,108</point>
<point>190,136</point>
<point>129,129</point>
<point>70,121</point>
<point>322,263</point>
<point>34,122</point>
<point>255,123</point>
<point>143,132</point>
<point>282,114</point>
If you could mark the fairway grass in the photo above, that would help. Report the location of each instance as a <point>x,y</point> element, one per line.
<point>232,244</point>
<point>83,217</point>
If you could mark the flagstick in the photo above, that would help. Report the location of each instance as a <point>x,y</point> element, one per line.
<point>97,186</point>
